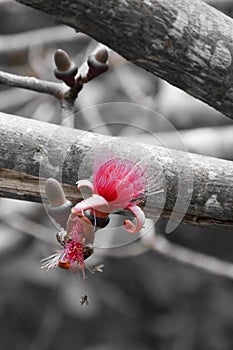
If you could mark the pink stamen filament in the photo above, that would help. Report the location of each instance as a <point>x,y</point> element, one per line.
<point>73,256</point>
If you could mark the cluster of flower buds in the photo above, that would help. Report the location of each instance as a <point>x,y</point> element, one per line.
<point>67,71</point>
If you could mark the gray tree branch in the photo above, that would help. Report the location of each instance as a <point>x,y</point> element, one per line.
<point>186,42</point>
<point>31,83</point>
<point>43,150</point>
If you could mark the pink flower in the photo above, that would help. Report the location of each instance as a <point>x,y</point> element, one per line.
<point>72,256</point>
<point>76,247</point>
<point>118,184</point>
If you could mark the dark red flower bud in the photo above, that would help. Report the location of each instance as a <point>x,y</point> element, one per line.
<point>102,55</point>
<point>65,69</point>
<point>97,63</point>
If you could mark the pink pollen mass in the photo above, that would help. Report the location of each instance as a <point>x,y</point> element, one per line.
<point>73,253</point>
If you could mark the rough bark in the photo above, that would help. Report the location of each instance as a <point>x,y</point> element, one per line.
<point>28,187</point>
<point>186,42</point>
<point>41,149</point>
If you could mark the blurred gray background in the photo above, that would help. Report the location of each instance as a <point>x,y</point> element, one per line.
<point>142,300</point>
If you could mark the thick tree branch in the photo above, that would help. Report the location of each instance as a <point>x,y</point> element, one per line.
<point>186,42</point>
<point>28,187</point>
<point>37,148</point>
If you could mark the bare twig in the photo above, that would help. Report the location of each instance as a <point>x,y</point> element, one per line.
<point>63,93</point>
<point>31,83</point>
<point>192,258</point>
<point>67,71</point>
<point>178,253</point>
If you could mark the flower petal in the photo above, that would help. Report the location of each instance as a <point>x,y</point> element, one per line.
<point>93,202</point>
<point>140,217</point>
<point>85,183</point>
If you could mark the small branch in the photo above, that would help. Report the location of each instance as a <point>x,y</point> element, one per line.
<point>59,90</point>
<point>192,258</point>
<point>31,83</point>
<point>67,113</point>
<point>172,251</point>
<point>63,93</point>
<point>67,71</point>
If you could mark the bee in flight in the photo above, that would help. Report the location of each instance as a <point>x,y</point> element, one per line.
<point>84,300</point>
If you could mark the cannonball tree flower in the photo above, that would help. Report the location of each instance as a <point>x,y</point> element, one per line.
<point>118,184</point>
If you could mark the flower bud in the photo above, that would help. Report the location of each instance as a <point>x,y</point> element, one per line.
<point>97,63</point>
<point>102,55</point>
<point>65,69</point>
